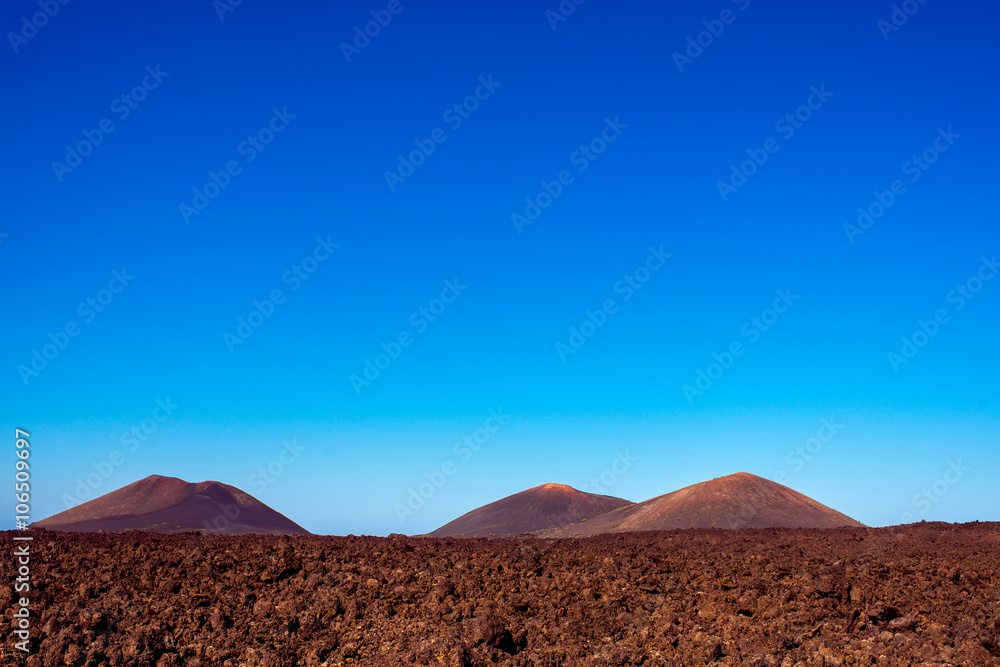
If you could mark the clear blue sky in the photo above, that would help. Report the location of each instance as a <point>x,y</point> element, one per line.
<point>641,147</point>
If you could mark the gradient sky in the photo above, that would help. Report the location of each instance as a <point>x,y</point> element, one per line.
<point>494,347</point>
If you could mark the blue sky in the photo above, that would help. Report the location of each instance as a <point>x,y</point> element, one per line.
<point>623,153</point>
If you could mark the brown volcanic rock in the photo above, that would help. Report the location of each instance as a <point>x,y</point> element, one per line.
<point>544,507</point>
<point>735,501</point>
<point>170,505</point>
<point>922,595</point>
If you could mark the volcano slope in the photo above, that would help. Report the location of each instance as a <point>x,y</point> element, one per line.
<point>740,500</point>
<point>918,595</point>
<point>544,507</point>
<point>170,505</point>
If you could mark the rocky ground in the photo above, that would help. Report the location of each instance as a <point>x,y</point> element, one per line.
<point>926,594</point>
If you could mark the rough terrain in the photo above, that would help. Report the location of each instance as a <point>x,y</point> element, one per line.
<point>924,594</point>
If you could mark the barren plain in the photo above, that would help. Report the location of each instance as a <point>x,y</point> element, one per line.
<point>923,594</point>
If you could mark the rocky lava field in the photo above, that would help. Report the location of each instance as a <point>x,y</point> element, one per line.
<point>924,594</point>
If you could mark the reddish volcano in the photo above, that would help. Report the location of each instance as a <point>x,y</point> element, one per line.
<point>171,505</point>
<point>735,501</point>
<point>544,507</point>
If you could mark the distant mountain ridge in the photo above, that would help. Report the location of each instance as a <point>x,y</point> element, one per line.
<point>169,504</point>
<point>735,501</point>
<point>741,500</point>
<point>544,507</point>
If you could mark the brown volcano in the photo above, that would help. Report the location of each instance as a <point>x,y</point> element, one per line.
<point>171,505</point>
<point>735,501</point>
<point>544,507</point>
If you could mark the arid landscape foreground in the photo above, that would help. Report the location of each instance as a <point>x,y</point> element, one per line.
<point>922,594</point>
